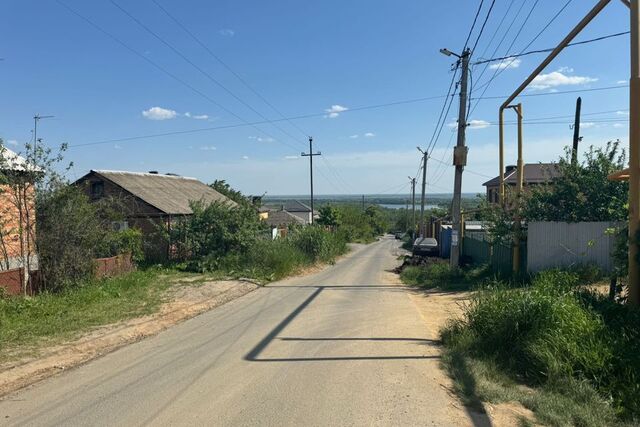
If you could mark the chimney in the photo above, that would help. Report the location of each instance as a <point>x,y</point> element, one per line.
<point>509,169</point>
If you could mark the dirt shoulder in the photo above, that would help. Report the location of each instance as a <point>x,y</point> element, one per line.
<point>436,308</point>
<point>185,299</point>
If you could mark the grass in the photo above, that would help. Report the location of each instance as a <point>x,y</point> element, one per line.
<point>566,353</point>
<point>438,274</point>
<point>27,322</point>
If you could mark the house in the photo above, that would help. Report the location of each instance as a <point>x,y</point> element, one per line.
<point>17,212</point>
<point>298,209</point>
<point>151,201</point>
<point>534,174</point>
<point>280,221</point>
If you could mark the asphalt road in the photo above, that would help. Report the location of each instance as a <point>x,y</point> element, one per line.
<point>339,347</point>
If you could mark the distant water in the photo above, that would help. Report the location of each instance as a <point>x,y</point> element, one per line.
<point>394,206</point>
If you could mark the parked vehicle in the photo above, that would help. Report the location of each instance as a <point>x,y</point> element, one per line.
<point>425,246</point>
<point>400,235</point>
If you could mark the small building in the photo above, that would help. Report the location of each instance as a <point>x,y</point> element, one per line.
<point>151,201</point>
<point>280,221</point>
<point>534,174</point>
<point>298,209</point>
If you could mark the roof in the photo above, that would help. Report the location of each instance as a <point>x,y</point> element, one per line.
<point>277,218</point>
<point>534,173</point>
<point>10,160</point>
<point>295,206</point>
<point>170,194</point>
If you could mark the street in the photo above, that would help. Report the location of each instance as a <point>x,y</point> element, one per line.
<point>344,346</point>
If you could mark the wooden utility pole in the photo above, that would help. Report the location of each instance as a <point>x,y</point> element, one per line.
<point>425,157</point>
<point>311,156</point>
<point>459,160</point>
<point>576,132</point>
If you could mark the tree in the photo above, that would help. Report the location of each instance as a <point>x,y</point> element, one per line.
<point>581,191</point>
<point>329,216</point>
<point>222,187</point>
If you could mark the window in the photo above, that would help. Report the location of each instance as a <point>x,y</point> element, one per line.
<point>97,189</point>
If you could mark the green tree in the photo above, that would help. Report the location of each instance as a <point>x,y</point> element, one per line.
<point>581,191</point>
<point>328,215</point>
<point>222,187</point>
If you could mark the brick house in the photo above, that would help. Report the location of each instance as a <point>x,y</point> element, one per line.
<point>534,174</point>
<point>17,212</point>
<point>151,201</point>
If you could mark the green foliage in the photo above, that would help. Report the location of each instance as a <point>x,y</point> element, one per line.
<point>361,226</point>
<point>441,275</point>
<point>555,332</point>
<point>317,244</point>
<point>329,216</point>
<point>215,230</point>
<point>222,187</point>
<point>121,242</point>
<point>582,191</point>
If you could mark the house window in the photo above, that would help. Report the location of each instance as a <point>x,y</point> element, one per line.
<point>97,189</point>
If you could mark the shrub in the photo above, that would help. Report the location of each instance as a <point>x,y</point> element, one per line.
<point>318,244</point>
<point>440,274</point>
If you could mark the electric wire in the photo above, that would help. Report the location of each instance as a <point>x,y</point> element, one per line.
<point>493,2</point>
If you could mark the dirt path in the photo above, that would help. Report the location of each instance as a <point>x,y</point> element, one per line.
<point>186,299</point>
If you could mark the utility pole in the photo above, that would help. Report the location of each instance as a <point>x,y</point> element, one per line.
<point>459,159</point>
<point>413,203</point>
<point>406,214</point>
<point>425,156</point>
<point>634,156</point>
<point>311,156</point>
<point>576,132</point>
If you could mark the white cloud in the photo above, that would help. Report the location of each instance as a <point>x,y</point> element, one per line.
<point>587,125</point>
<point>117,147</point>
<point>623,113</point>
<point>12,142</point>
<point>506,63</point>
<point>369,135</point>
<point>335,111</point>
<point>565,70</point>
<point>245,157</point>
<point>262,139</point>
<point>478,124</point>
<point>227,32</point>
<point>290,157</point>
<point>354,136</point>
<point>622,82</point>
<point>619,125</point>
<point>557,78</point>
<point>201,117</point>
<point>187,114</point>
<point>208,148</point>
<point>159,113</point>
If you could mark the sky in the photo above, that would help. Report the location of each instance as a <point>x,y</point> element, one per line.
<point>239,85</point>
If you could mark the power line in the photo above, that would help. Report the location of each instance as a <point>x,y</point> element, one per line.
<point>312,115</point>
<point>475,19</point>
<point>225,65</point>
<point>493,2</point>
<point>199,69</point>
<point>531,52</point>
<point>159,67</point>
<point>448,99</point>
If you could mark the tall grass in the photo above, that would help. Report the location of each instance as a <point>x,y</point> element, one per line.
<point>553,333</point>
<point>439,274</point>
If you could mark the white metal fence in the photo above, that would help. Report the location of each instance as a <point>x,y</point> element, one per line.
<point>561,244</point>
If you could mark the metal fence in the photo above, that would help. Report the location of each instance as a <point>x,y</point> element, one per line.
<point>500,257</point>
<point>561,244</point>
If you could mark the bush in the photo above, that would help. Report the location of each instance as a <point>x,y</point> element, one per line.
<point>552,332</point>
<point>317,244</point>
<point>121,242</point>
<point>440,274</point>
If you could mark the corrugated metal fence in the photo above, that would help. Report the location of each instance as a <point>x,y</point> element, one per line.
<point>561,244</point>
<point>499,257</point>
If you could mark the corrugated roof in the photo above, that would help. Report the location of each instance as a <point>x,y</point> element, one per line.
<point>10,160</point>
<point>168,193</point>
<point>296,206</point>
<point>534,173</point>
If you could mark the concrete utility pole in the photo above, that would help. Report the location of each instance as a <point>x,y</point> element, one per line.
<point>459,160</point>
<point>425,157</point>
<point>576,132</point>
<point>634,156</point>
<point>311,156</point>
<point>413,203</point>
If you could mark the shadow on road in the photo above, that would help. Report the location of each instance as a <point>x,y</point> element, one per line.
<point>253,355</point>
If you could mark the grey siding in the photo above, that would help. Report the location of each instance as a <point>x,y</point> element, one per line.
<point>561,244</point>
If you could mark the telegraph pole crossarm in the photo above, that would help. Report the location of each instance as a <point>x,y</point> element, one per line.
<point>311,155</point>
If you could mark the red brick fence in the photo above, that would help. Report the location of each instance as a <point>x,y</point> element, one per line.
<point>11,280</point>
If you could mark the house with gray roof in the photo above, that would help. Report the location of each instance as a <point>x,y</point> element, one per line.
<point>151,201</point>
<point>533,174</point>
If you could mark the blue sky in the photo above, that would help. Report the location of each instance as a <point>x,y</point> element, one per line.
<point>324,59</point>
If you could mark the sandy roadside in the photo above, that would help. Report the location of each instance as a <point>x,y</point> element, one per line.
<point>184,301</point>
